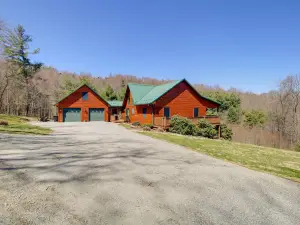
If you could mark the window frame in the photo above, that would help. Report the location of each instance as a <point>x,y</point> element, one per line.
<point>197,112</point>
<point>84,96</point>
<point>168,117</point>
<point>144,113</point>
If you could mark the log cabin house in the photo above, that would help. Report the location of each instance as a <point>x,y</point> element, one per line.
<point>146,104</point>
<point>149,104</point>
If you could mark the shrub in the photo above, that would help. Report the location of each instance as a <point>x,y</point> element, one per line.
<point>3,123</point>
<point>226,132</point>
<point>210,132</point>
<point>205,129</point>
<point>148,125</point>
<point>297,147</point>
<point>211,112</point>
<point>197,131</point>
<point>146,128</point>
<point>234,115</point>
<point>136,124</point>
<point>255,118</point>
<point>203,123</point>
<point>182,125</point>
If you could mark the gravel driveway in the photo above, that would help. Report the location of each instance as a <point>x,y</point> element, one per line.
<point>101,173</point>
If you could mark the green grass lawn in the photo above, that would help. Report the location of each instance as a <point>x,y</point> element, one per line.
<point>283,163</point>
<point>20,125</point>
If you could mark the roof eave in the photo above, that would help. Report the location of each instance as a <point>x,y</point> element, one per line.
<point>56,104</point>
<point>206,98</point>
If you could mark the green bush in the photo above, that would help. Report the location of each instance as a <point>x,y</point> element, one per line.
<point>210,132</point>
<point>226,132</point>
<point>255,118</point>
<point>203,123</point>
<point>136,124</point>
<point>234,115</point>
<point>148,125</point>
<point>182,125</point>
<point>297,147</point>
<point>211,112</point>
<point>206,129</point>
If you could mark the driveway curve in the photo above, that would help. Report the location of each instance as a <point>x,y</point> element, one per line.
<point>101,173</point>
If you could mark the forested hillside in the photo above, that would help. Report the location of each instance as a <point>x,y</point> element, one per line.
<point>31,89</point>
<point>51,85</point>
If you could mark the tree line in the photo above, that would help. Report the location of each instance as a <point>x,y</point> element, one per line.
<point>30,88</point>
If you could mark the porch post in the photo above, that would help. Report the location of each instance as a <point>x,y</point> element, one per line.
<point>152,114</point>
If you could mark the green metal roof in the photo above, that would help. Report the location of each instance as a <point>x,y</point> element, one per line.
<point>138,91</point>
<point>146,94</point>
<point>115,103</point>
<point>156,92</point>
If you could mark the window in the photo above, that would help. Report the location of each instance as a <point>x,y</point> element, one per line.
<point>132,111</point>
<point>128,100</point>
<point>196,112</point>
<point>144,112</point>
<point>167,112</point>
<point>84,96</point>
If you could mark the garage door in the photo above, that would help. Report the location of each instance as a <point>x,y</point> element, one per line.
<point>96,114</point>
<point>72,115</point>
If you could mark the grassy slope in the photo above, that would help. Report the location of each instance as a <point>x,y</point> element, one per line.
<point>279,162</point>
<point>19,125</point>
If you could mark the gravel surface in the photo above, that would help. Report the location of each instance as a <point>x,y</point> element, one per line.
<point>101,173</point>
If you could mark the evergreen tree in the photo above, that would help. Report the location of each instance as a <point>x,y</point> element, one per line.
<point>255,118</point>
<point>16,50</point>
<point>109,93</point>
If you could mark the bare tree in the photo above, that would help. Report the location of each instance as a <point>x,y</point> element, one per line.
<point>285,109</point>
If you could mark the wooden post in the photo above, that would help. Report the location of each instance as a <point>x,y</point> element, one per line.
<point>152,114</point>
<point>219,131</point>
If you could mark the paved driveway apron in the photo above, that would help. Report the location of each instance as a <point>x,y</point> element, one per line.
<point>101,173</point>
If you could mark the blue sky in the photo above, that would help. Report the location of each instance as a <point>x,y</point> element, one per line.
<point>249,45</point>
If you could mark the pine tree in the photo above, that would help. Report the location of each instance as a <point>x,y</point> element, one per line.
<point>109,93</point>
<point>16,50</point>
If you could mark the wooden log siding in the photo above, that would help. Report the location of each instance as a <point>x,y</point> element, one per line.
<point>182,100</point>
<point>136,112</point>
<point>75,100</point>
